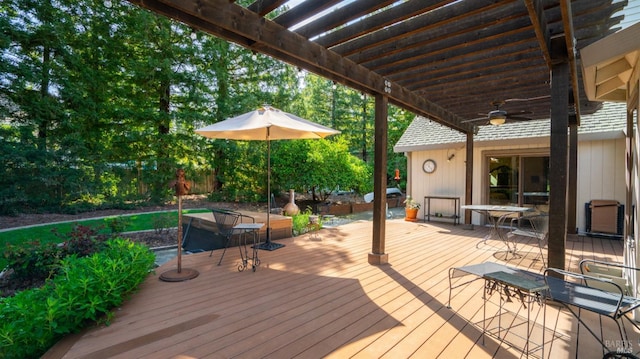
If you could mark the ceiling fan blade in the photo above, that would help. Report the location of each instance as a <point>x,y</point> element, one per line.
<point>474,119</point>
<point>518,113</point>
<point>527,99</point>
<point>518,118</point>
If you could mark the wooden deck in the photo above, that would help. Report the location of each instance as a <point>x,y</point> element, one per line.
<point>318,297</point>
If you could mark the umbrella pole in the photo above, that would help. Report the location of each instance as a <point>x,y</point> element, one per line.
<point>179,234</point>
<point>179,275</point>
<point>268,187</point>
<point>268,245</point>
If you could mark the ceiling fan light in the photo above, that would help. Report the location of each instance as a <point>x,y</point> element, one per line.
<point>497,120</point>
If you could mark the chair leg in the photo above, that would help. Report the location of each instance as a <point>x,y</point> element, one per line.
<point>223,251</point>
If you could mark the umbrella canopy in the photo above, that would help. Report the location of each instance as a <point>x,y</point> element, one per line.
<point>266,123</point>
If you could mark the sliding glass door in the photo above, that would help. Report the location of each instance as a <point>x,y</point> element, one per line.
<point>535,181</point>
<point>518,180</point>
<point>503,180</point>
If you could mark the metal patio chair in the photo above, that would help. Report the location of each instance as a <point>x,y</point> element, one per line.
<point>226,220</point>
<point>538,229</point>
<point>577,292</point>
<point>617,273</point>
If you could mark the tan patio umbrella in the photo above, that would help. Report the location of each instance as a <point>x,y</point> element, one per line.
<point>266,123</point>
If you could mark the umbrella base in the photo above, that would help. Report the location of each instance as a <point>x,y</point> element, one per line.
<point>270,246</point>
<point>178,276</point>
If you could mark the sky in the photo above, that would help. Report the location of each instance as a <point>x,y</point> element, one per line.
<point>631,14</point>
<point>631,11</point>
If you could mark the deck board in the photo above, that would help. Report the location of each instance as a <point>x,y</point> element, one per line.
<point>320,298</point>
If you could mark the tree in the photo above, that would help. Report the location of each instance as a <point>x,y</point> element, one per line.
<point>318,166</point>
<point>99,102</point>
<point>399,120</point>
<point>35,49</point>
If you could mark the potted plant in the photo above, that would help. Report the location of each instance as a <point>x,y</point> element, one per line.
<point>411,209</point>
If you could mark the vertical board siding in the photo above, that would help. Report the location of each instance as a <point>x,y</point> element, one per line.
<point>601,174</point>
<point>447,180</point>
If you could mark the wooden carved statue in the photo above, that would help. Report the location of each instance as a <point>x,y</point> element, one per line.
<point>180,184</point>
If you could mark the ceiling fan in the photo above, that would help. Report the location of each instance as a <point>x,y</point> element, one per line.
<point>498,116</point>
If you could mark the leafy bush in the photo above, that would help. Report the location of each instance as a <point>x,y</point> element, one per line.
<point>300,222</point>
<point>82,241</point>
<point>32,262</point>
<point>85,291</point>
<point>162,222</point>
<point>118,224</point>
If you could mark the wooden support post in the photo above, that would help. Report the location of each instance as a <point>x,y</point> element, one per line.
<point>468,193</point>
<point>377,255</point>
<point>632,106</point>
<point>558,158</point>
<point>573,179</point>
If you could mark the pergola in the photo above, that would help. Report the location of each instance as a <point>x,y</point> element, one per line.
<point>446,60</point>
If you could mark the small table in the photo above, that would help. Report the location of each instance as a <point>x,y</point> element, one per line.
<point>496,215</point>
<point>526,287</point>
<point>519,287</point>
<point>456,208</point>
<point>254,230</point>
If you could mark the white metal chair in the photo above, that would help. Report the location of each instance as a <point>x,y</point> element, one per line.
<point>538,228</point>
<point>617,273</point>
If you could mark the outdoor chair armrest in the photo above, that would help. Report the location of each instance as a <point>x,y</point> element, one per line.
<point>616,272</point>
<point>610,302</point>
<point>609,268</point>
<point>534,216</point>
<point>245,218</point>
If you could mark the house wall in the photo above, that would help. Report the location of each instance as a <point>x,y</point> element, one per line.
<point>448,180</point>
<point>601,174</point>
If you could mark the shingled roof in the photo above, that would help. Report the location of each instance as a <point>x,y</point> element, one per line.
<point>424,134</point>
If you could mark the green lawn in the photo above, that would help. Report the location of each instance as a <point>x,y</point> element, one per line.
<point>130,223</point>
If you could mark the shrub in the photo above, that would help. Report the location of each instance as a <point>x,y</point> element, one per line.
<point>85,291</point>
<point>300,222</point>
<point>118,224</point>
<point>162,222</point>
<point>32,262</point>
<point>82,241</point>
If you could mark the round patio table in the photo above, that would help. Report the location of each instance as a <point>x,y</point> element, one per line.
<point>496,215</point>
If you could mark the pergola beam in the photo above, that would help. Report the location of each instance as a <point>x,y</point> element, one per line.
<point>536,13</point>
<point>569,36</point>
<point>237,24</point>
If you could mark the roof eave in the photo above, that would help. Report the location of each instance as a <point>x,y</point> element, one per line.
<point>607,65</point>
